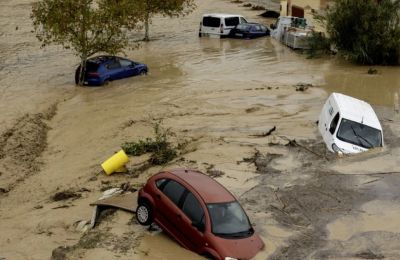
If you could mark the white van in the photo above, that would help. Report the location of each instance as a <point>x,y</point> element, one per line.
<point>349,125</point>
<point>219,25</point>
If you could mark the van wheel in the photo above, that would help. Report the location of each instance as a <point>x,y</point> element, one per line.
<point>144,214</point>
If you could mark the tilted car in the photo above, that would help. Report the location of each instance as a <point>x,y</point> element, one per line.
<point>249,31</point>
<point>199,213</point>
<point>349,125</point>
<point>102,69</point>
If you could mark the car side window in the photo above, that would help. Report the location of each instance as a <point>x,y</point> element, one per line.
<point>192,208</point>
<point>160,183</point>
<point>125,63</point>
<point>114,65</point>
<point>173,191</point>
<point>334,123</point>
<point>258,28</point>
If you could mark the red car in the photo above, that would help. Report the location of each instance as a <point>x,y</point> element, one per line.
<point>199,213</point>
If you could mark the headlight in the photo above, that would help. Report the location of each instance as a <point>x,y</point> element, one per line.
<point>336,149</point>
<point>230,258</point>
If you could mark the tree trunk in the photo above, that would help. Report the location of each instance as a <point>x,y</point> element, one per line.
<point>82,71</point>
<point>146,27</point>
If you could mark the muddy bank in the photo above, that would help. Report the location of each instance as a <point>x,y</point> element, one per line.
<point>21,147</point>
<point>326,211</point>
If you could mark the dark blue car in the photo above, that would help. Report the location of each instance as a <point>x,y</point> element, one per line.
<point>102,69</point>
<point>249,31</point>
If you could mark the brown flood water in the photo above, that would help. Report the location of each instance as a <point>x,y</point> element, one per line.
<point>217,92</point>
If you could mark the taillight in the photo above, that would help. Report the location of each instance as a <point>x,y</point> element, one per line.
<point>93,74</point>
<point>221,28</point>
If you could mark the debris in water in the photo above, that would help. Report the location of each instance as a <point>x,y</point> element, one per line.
<point>372,71</point>
<point>266,133</point>
<point>303,86</point>
<point>64,195</point>
<point>369,255</point>
<point>270,14</point>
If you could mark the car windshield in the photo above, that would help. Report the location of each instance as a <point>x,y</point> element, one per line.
<point>359,134</point>
<point>229,220</point>
<point>244,27</point>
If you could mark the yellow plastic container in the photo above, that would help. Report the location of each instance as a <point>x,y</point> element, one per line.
<point>115,163</point>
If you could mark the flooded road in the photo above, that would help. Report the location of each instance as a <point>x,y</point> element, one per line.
<point>215,93</point>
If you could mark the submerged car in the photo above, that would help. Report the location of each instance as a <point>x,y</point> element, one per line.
<point>102,69</point>
<point>199,213</point>
<point>219,25</point>
<point>349,125</point>
<point>249,31</point>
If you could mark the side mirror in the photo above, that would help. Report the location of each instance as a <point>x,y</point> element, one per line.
<point>199,225</point>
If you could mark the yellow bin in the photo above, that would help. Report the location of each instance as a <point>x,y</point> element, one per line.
<point>115,163</point>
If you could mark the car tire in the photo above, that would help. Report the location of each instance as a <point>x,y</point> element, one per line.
<point>144,214</point>
<point>143,73</point>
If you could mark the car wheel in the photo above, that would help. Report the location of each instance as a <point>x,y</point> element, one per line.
<point>143,73</point>
<point>106,82</point>
<point>144,214</point>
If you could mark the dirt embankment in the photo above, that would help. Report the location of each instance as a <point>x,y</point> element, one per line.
<point>307,199</point>
<point>21,147</point>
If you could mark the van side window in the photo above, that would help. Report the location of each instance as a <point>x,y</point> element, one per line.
<point>231,21</point>
<point>334,124</point>
<point>209,21</point>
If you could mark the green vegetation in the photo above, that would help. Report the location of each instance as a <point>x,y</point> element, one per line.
<point>318,44</point>
<point>85,26</point>
<point>366,31</point>
<point>171,8</point>
<point>98,26</point>
<point>161,149</point>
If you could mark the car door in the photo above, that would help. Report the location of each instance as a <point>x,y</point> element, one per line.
<point>128,68</point>
<point>193,221</point>
<point>114,69</point>
<point>167,204</point>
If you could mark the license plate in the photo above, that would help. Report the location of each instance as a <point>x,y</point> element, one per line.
<point>239,34</point>
<point>85,82</point>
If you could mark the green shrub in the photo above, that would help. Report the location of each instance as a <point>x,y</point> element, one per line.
<point>366,31</point>
<point>162,151</point>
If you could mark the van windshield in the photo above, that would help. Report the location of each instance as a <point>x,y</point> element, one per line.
<point>229,220</point>
<point>359,134</point>
<point>211,21</point>
<point>231,21</point>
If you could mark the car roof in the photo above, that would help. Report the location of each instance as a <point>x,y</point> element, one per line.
<point>356,110</point>
<point>104,58</point>
<point>209,189</point>
<point>221,15</point>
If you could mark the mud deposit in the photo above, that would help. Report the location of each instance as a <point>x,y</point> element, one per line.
<point>236,111</point>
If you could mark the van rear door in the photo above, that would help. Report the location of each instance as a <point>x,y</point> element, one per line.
<point>211,25</point>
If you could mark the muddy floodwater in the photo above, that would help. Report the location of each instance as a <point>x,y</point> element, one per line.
<point>217,96</point>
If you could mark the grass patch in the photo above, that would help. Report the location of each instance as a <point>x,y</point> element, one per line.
<point>161,149</point>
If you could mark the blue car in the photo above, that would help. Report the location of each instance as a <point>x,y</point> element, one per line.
<point>249,31</point>
<point>102,69</point>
